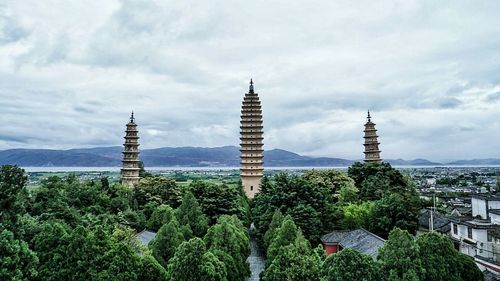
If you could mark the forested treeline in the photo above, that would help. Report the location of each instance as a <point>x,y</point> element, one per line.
<point>428,257</point>
<point>374,196</point>
<point>292,212</point>
<point>71,230</point>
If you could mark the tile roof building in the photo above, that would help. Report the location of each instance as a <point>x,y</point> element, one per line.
<point>441,223</point>
<point>358,239</point>
<point>478,236</point>
<point>145,236</point>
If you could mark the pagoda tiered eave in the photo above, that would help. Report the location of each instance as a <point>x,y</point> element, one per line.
<point>251,143</point>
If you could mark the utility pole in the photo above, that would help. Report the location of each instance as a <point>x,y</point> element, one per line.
<point>433,208</point>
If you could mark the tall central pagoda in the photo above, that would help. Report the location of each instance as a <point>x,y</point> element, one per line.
<point>251,143</point>
<point>130,164</point>
<point>372,152</point>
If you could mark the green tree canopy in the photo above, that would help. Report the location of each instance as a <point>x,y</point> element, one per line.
<point>292,263</point>
<point>307,201</point>
<point>121,198</point>
<point>17,261</point>
<point>358,215</point>
<point>132,218</point>
<point>232,239</point>
<point>151,270</point>
<point>85,197</point>
<point>83,254</point>
<point>400,256</point>
<point>285,235</point>
<point>168,238</point>
<point>276,222</point>
<point>162,215</point>
<point>395,210</point>
<point>350,265</point>
<point>67,229</point>
<point>119,263</point>
<point>468,269</point>
<point>397,202</point>
<point>79,203</point>
<point>348,194</point>
<point>332,181</point>
<point>12,189</point>
<point>158,189</point>
<point>309,221</point>
<point>219,199</point>
<point>192,262</point>
<point>189,213</point>
<point>375,179</point>
<point>438,257</point>
<point>50,199</point>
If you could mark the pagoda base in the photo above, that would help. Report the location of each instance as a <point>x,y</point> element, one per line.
<point>130,181</point>
<point>373,160</point>
<point>251,185</point>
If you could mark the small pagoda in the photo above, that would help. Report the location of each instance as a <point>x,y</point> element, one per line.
<point>251,151</point>
<point>130,164</point>
<point>372,152</point>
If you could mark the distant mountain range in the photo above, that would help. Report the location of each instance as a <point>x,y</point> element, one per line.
<point>226,156</point>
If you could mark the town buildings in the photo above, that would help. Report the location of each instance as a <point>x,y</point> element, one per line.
<point>251,145</point>
<point>130,164</point>
<point>478,236</point>
<point>440,223</point>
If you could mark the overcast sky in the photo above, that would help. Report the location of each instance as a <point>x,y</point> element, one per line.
<point>429,71</point>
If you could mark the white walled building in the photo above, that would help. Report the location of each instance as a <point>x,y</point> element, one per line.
<point>481,205</point>
<point>495,216</point>
<point>478,236</point>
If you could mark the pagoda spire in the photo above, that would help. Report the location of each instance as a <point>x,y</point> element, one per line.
<point>251,145</point>
<point>372,151</point>
<point>251,87</point>
<point>130,163</point>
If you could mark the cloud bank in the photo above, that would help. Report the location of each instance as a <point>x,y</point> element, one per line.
<point>71,72</point>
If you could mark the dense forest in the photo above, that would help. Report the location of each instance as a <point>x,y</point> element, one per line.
<point>71,230</point>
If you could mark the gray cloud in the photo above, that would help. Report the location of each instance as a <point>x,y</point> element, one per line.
<point>494,97</point>
<point>450,103</point>
<point>71,72</point>
<point>10,30</point>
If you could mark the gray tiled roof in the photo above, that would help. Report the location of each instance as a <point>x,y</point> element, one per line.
<point>464,210</point>
<point>441,222</point>
<point>145,237</point>
<point>489,276</point>
<point>494,197</point>
<point>359,239</point>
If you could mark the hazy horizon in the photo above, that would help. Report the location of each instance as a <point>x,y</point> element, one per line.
<point>71,73</point>
<point>443,161</point>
